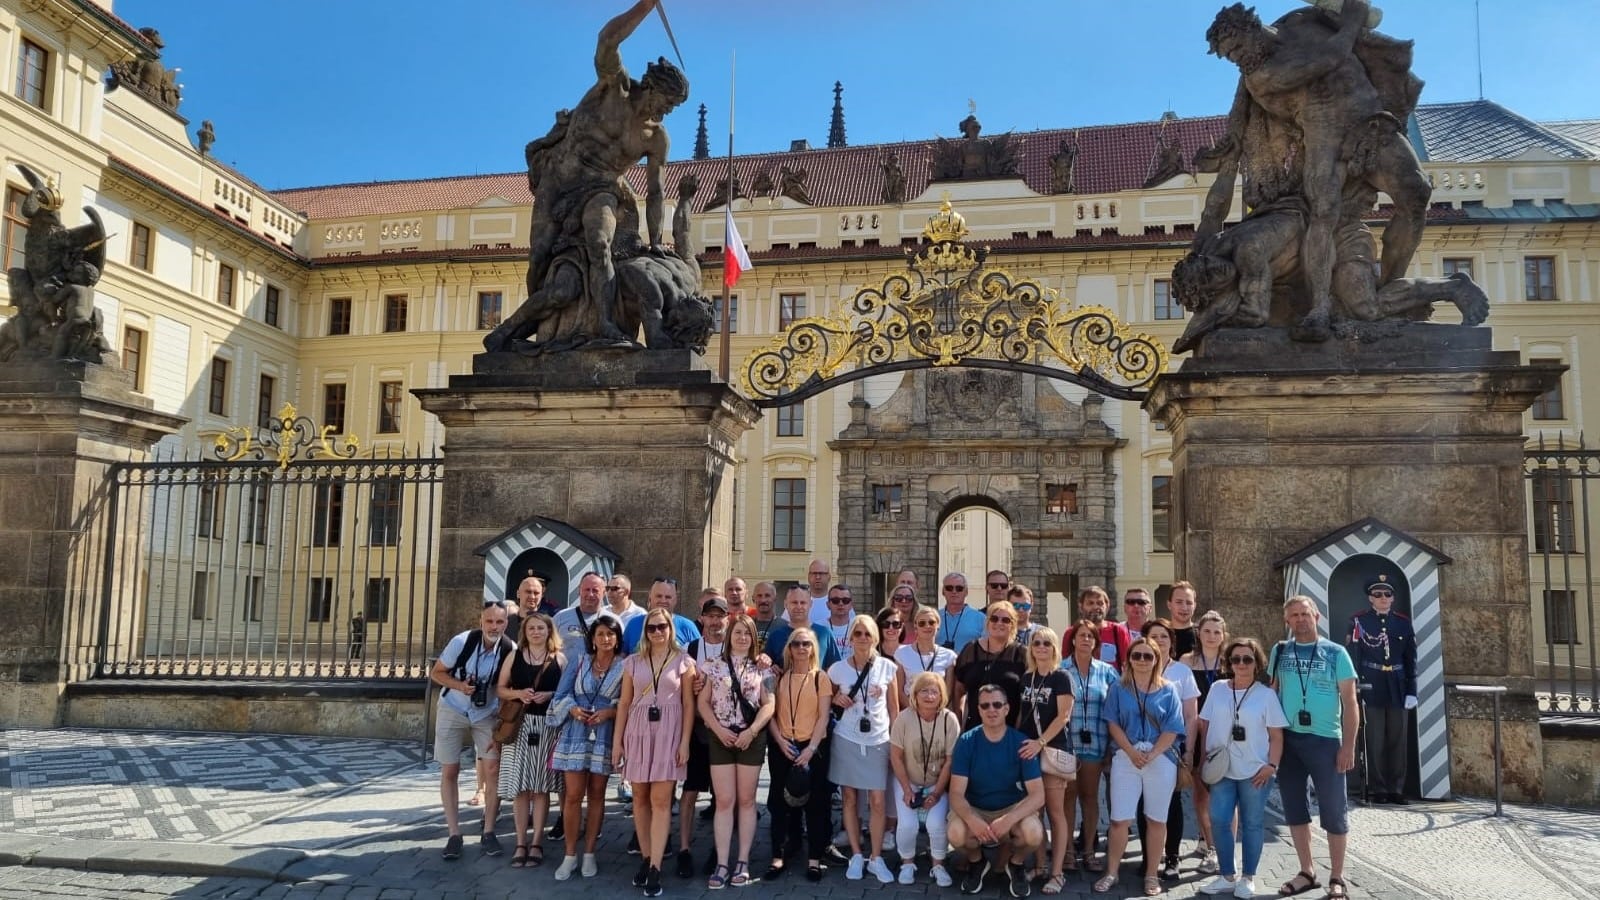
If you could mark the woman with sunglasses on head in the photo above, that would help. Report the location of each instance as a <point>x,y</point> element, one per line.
<point>531,675</point>
<point>923,654</point>
<point>1145,719</point>
<point>1182,680</point>
<point>1244,719</point>
<point>920,741</point>
<point>736,703</point>
<point>1020,596</point>
<point>994,658</point>
<point>865,692</point>
<point>1046,715</point>
<point>584,710</point>
<point>654,723</point>
<point>799,732</point>
<point>1091,680</point>
<point>1205,661</point>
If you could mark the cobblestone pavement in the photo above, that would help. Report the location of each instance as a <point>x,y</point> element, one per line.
<point>359,819</point>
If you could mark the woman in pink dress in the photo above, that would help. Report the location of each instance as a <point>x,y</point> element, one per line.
<point>654,721</point>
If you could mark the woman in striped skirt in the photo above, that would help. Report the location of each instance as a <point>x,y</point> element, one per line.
<point>531,675</point>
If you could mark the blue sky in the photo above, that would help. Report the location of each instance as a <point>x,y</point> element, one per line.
<point>307,92</point>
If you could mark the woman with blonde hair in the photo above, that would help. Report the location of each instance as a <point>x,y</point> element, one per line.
<point>531,675</point>
<point>1046,713</point>
<point>1209,665</point>
<point>1145,719</point>
<point>860,756</point>
<point>920,741</point>
<point>923,654</point>
<point>1181,677</point>
<point>735,703</point>
<point>654,723</point>
<point>799,732</point>
<point>995,658</point>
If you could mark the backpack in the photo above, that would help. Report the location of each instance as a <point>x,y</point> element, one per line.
<point>458,669</point>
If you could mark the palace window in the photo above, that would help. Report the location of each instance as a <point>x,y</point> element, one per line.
<point>789,514</point>
<point>339,315</point>
<point>378,592</point>
<point>274,306</point>
<point>888,501</point>
<point>791,307</point>
<point>383,512</point>
<point>1553,514</point>
<point>213,501</point>
<point>225,279</point>
<point>319,600</point>
<point>139,247</point>
<point>217,402</point>
<point>1167,307</point>
<point>792,420</point>
<point>253,588</point>
<point>200,597</point>
<point>1453,264</point>
<point>1561,617</point>
<point>394,312</point>
<point>1539,278</point>
<point>333,397</point>
<point>265,394</point>
<point>389,407</point>
<point>1061,499</point>
<point>1549,405</point>
<point>489,309</point>
<point>733,314</point>
<point>33,62</point>
<point>16,227</point>
<point>133,355</point>
<point>327,513</point>
<point>1161,513</point>
<point>258,505</point>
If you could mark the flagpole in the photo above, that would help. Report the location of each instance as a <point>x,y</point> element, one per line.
<point>727,236</point>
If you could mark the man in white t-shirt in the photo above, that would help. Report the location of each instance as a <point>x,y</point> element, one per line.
<point>817,575</point>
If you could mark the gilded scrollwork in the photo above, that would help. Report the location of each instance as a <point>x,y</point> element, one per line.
<point>289,435</point>
<point>949,307</point>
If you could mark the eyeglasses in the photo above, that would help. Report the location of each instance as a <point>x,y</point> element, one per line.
<point>865,634</point>
<point>999,585</point>
<point>1380,593</point>
<point>1039,644</point>
<point>1023,607</point>
<point>927,623</point>
<point>898,597</point>
<point>840,601</point>
<point>497,604</point>
<point>802,645</point>
<point>657,627</point>
<point>992,704</point>
<point>1142,657</point>
<point>954,588</point>
<point>1136,601</point>
<point>1002,620</point>
<point>894,623</point>
<point>1242,660</point>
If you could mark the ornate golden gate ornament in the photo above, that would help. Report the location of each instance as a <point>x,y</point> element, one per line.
<point>950,309</point>
<point>285,437</point>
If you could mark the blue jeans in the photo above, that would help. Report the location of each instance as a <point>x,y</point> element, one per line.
<point>1251,801</point>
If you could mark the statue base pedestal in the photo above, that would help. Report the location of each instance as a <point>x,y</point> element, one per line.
<point>632,448</point>
<point>1275,445</point>
<point>62,426</point>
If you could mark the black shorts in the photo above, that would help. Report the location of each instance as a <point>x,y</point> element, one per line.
<point>698,776</point>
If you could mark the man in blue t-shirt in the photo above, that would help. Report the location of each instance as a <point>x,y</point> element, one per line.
<point>995,796</point>
<point>1316,683</point>
<point>663,595</point>
<point>797,604</point>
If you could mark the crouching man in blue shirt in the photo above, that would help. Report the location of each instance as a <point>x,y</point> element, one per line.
<point>995,796</point>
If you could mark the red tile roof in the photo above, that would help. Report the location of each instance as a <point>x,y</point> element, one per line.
<point>1110,158</point>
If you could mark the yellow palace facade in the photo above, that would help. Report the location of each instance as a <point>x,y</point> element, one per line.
<point>228,301</point>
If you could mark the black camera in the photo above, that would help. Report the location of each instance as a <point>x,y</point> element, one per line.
<point>1085,736</point>
<point>480,694</point>
<point>655,713</point>
<point>919,797</point>
<point>865,725</point>
<point>1305,718</point>
<point>1238,732</point>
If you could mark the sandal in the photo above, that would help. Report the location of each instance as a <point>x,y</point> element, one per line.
<point>814,872</point>
<point>1036,873</point>
<point>534,862</point>
<point>476,799</point>
<point>1054,885</point>
<point>519,857</point>
<point>1337,889</point>
<point>1095,864</point>
<point>1070,862</point>
<point>1152,886</point>
<point>718,879</point>
<point>1291,888</point>
<point>741,875</point>
<point>1104,885</point>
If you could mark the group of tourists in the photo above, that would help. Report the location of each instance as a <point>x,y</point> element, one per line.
<point>992,734</point>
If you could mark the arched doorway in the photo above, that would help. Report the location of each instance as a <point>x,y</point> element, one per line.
<point>974,538</point>
<point>546,564</point>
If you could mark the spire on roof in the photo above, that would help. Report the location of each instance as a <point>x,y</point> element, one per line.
<point>836,127</point>
<point>702,141</point>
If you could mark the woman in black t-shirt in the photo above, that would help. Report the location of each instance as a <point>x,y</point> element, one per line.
<point>1046,712</point>
<point>995,658</point>
<point>531,675</point>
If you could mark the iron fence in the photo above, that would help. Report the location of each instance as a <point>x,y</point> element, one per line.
<point>309,570</point>
<point>1562,576</point>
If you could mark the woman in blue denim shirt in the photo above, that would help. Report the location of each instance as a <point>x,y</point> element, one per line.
<point>584,709</point>
<point>1086,732</point>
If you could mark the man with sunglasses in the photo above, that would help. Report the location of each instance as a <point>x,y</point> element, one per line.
<point>995,797</point>
<point>959,625</point>
<point>1384,648</point>
<point>995,584</point>
<point>1135,610</point>
<point>841,609</point>
<point>619,594</point>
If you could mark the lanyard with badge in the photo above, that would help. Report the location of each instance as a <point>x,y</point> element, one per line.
<point>655,685</point>
<point>926,741</point>
<point>949,641</point>
<point>1085,735</point>
<point>1304,668</point>
<point>1238,703</point>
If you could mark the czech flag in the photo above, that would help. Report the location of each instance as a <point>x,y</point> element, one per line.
<point>735,261</point>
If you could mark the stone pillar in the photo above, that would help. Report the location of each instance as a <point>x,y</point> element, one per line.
<point>62,426</point>
<point>1276,444</point>
<point>634,449</point>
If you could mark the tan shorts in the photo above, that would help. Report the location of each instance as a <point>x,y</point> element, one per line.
<point>991,815</point>
<point>453,731</point>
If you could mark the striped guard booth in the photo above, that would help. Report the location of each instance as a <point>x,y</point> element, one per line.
<point>579,553</point>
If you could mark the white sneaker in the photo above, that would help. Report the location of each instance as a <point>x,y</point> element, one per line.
<point>1208,863</point>
<point>590,867</point>
<point>908,873</point>
<point>565,870</point>
<point>854,870</point>
<point>881,869</point>
<point>1219,885</point>
<point>941,875</point>
<point>1245,888</point>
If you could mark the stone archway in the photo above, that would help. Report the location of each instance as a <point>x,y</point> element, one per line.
<point>975,536</point>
